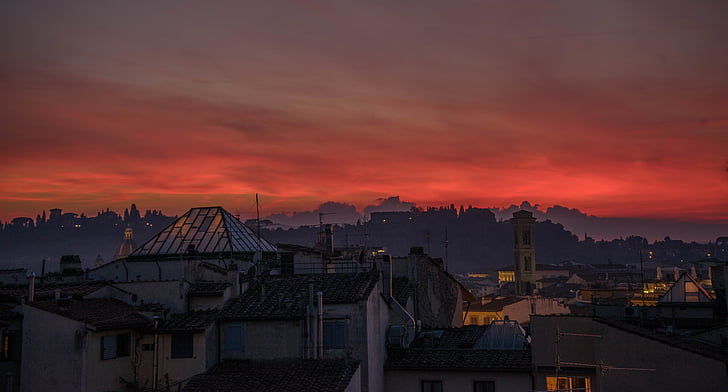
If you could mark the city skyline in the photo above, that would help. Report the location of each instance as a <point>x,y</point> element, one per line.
<point>615,109</point>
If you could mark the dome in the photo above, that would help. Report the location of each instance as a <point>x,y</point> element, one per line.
<point>126,246</point>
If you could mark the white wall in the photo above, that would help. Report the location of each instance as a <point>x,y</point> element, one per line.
<point>53,359</point>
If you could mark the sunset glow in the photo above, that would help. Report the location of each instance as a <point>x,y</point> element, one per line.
<point>614,108</point>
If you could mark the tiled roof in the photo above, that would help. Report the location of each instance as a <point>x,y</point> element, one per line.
<point>290,375</point>
<point>207,289</point>
<point>459,359</point>
<point>539,267</point>
<point>505,335</point>
<point>463,337</point>
<point>102,313</point>
<point>496,305</point>
<point>48,291</point>
<point>194,321</point>
<point>208,230</point>
<point>285,297</point>
<point>401,290</point>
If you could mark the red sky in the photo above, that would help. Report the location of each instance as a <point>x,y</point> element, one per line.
<point>617,108</point>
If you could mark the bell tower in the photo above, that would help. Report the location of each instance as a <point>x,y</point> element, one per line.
<point>524,252</point>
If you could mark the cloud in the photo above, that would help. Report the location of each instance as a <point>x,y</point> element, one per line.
<point>392,203</point>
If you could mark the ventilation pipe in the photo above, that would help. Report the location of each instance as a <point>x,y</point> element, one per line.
<point>310,325</point>
<point>31,287</point>
<point>320,325</point>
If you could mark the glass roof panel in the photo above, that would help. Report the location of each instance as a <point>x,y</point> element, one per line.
<point>210,230</point>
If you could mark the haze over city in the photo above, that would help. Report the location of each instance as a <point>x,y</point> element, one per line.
<point>618,109</point>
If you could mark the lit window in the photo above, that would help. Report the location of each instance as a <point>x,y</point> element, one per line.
<point>568,384</point>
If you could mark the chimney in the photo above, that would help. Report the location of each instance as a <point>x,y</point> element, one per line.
<point>676,271</point>
<point>693,272</point>
<point>659,273</point>
<point>320,325</point>
<point>31,287</point>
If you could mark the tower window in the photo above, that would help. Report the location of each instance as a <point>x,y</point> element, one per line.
<point>527,237</point>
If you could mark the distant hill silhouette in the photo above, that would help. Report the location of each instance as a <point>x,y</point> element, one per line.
<point>476,238</point>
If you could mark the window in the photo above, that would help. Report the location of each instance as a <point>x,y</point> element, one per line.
<point>568,384</point>
<point>115,346</point>
<point>233,335</point>
<point>182,345</point>
<point>526,263</point>
<point>287,264</point>
<point>431,386</point>
<point>527,237</point>
<point>483,386</point>
<point>7,350</point>
<point>474,320</point>
<point>334,334</point>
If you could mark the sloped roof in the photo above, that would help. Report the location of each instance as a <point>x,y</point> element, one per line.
<point>503,335</point>
<point>285,297</point>
<point>102,313</point>
<point>47,291</point>
<point>287,375</point>
<point>463,337</point>
<point>193,321</point>
<point>686,289</point>
<point>402,290</point>
<point>208,289</point>
<point>495,305</point>
<point>206,230</point>
<point>460,359</point>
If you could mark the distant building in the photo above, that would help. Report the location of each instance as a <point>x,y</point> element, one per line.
<point>127,245</point>
<point>524,252</point>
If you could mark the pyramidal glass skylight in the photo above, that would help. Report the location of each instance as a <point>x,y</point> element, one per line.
<point>207,230</point>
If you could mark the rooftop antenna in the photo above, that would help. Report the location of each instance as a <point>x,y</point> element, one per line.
<point>257,237</point>
<point>322,234</point>
<point>445,248</point>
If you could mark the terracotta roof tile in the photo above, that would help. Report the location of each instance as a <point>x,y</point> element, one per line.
<point>401,290</point>
<point>459,359</point>
<point>285,297</point>
<point>102,313</point>
<point>207,289</point>
<point>194,321</point>
<point>290,375</point>
<point>463,337</point>
<point>496,305</point>
<point>48,291</point>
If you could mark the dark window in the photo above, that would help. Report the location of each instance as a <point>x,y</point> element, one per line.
<point>432,386</point>
<point>234,337</point>
<point>148,347</point>
<point>527,237</point>
<point>526,263</point>
<point>483,386</point>
<point>287,263</point>
<point>115,346</point>
<point>182,345</point>
<point>334,334</point>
